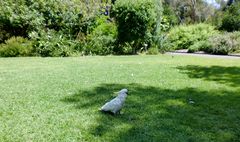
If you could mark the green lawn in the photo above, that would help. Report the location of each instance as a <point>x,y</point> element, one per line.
<point>57,99</point>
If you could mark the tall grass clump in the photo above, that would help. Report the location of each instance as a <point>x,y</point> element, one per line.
<point>16,46</point>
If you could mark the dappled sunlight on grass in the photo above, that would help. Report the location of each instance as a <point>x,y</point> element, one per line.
<point>225,75</point>
<point>178,98</point>
<point>156,114</point>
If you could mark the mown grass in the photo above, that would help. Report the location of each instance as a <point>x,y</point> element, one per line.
<point>57,99</point>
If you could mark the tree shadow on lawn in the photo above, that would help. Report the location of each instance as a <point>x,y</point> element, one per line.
<point>155,114</point>
<point>225,75</point>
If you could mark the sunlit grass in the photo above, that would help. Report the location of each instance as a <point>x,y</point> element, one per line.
<point>57,99</point>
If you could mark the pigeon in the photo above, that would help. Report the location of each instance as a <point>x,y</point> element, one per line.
<point>115,105</point>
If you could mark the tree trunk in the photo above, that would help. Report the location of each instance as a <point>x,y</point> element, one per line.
<point>193,10</point>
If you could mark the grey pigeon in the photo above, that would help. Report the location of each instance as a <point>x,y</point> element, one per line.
<point>115,105</point>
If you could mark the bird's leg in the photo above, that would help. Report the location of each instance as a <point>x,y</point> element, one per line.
<point>119,112</point>
<point>115,112</point>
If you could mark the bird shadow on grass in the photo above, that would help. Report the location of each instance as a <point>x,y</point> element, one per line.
<point>226,75</point>
<point>157,114</point>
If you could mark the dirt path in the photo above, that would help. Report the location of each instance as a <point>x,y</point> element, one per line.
<point>183,52</point>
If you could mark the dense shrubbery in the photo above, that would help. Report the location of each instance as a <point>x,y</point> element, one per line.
<point>73,27</point>
<point>52,25</point>
<point>224,43</point>
<point>183,37</point>
<point>221,44</point>
<point>102,39</point>
<point>24,16</point>
<point>203,45</point>
<point>202,37</point>
<point>50,43</point>
<point>16,46</point>
<point>62,27</point>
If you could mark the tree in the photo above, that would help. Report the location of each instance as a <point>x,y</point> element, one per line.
<point>231,19</point>
<point>137,21</point>
<point>191,11</point>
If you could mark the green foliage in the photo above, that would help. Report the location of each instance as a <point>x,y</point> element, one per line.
<point>64,27</point>
<point>50,43</point>
<point>52,24</point>
<point>4,35</point>
<point>203,45</point>
<point>123,49</point>
<point>170,15</point>
<point>135,20</point>
<point>231,19</point>
<point>217,19</point>
<point>153,51</point>
<point>184,36</point>
<point>58,27</point>
<point>26,16</point>
<point>224,43</point>
<point>102,39</point>
<point>16,46</point>
<point>17,19</point>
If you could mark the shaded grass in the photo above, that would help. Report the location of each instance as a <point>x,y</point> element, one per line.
<point>157,114</point>
<point>57,99</point>
<point>225,75</point>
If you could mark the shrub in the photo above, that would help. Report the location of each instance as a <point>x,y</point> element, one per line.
<point>222,44</point>
<point>55,24</point>
<point>59,15</point>
<point>52,24</point>
<point>16,46</point>
<point>52,44</point>
<point>231,19</point>
<point>153,51</point>
<point>225,43</point>
<point>135,21</point>
<point>24,16</point>
<point>102,39</point>
<point>184,36</point>
<point>199,46</point>
<point>123,49</point>
<point>17,19</point>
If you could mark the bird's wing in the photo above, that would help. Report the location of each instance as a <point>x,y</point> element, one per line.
<point>112,105</point>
